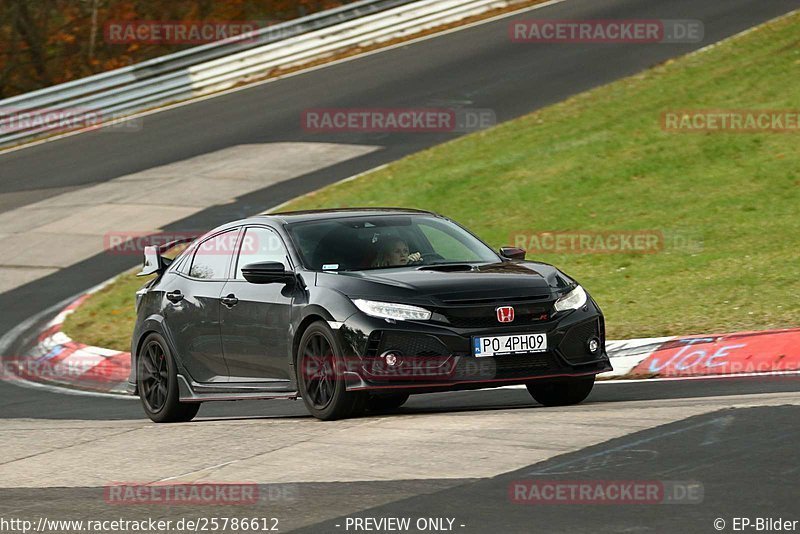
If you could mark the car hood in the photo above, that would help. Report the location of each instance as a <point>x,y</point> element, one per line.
<point>414,285</point>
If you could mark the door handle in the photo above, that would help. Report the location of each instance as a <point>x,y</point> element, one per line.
<point>230,301</point>
<point>175,296</point>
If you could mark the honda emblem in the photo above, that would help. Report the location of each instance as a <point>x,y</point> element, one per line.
<point>505,314</point>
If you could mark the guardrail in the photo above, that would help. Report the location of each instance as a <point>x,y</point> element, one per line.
<point>223,64</point>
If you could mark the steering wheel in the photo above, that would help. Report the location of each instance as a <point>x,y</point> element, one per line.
<point>427,256</point>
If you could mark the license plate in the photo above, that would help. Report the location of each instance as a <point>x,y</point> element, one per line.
<point>512,344</point>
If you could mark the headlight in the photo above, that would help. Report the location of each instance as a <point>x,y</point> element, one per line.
<point>572,300</point>
<point>388,310</point>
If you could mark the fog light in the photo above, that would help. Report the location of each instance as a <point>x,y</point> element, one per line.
<point>391,358</point>
<point>594,345</point>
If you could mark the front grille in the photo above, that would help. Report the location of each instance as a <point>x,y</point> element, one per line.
<point>412,344</point>
<point>486,316</point>
<point>490,300</point>
<point>498,367</point>
<point>573,346</point>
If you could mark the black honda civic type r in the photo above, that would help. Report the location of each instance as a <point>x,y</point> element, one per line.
<point>354,310</point>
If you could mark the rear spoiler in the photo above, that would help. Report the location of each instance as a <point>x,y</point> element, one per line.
<point>154,262</point>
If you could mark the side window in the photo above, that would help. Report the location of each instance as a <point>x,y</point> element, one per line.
<point>212,256</point>
<point>183,258</point>
<point>447,246</point>
<point>181,265</point>
<point>259,245</point>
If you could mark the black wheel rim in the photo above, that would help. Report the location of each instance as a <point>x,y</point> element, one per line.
<point>153,376</point>
<point>318,371</point>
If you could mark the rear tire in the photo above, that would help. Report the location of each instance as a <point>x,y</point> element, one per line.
<point>561,392</point>
<point>386,402</point>
<point>320,378</point>
<point>157,381</point>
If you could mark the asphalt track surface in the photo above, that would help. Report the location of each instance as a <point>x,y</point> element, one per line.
<point>747,468</point>
<point>43,404</point>
<point>740,453</point>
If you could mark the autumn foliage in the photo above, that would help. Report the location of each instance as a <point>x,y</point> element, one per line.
<point>46,42</point>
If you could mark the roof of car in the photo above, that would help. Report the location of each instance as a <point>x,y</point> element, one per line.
<point>309,215</point>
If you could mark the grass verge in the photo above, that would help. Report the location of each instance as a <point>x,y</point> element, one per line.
<point>106,318</point>
<point>601,162</point>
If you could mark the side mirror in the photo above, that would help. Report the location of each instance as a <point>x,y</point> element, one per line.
<point>268,272</point>
<point>513,253</point>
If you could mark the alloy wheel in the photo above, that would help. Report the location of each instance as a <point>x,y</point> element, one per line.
<point>154,376</point>
<point>318,369</point>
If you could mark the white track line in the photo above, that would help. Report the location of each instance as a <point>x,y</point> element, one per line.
<point>674,378</point>
<point>700,377</point>
<point>68,391</point>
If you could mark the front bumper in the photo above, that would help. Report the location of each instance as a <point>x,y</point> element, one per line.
<point>438,357</point>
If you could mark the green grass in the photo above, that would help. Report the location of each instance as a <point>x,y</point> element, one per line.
<point>106,318</point>
<point>600,161</point>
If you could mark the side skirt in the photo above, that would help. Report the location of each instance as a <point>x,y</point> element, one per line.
<point>195,392</point>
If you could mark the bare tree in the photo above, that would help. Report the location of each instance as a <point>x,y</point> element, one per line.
<point>93,33</point>
<point>31,35</point>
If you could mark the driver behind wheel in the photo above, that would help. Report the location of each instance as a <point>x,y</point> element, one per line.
<point>395,253</point>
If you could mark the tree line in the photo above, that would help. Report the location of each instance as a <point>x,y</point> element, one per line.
<point>46,42</point>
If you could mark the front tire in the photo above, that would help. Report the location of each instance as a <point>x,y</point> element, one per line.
<point>320,378</point>
<point>561,392</point>
<point>157,381</point>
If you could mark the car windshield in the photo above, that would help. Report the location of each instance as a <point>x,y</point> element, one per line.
<point>386,241</point>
